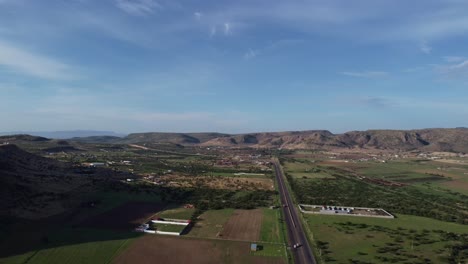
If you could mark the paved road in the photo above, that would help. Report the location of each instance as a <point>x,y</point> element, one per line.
<point>296,234</point>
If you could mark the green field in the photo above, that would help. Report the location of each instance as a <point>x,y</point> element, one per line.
<point>306,169</point>
<point>270,250</point>
<point>270,230</point>
<point>405,239</point>
<point>210,223</point>
<point>168,227</point>
<point>73,246</point>
<point>177,213</point>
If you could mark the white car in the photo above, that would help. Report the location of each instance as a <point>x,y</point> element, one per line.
<point>297,245</point>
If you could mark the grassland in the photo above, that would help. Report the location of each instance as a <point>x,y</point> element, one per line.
<point>270,230</point>
<point>210,223</point>
<point>68,245</point>
<point>177,213</point>
<point>306,169</point>
<point>168,227</point>
<point>270,250</point>
<point>406,239</point>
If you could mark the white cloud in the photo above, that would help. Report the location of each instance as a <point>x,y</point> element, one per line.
<point>453,58</point>
<point>22,61</point>
<point>453,70</point>
<point>227,28</point>
<point>138,7</point>
<point>250,54</point>
<point>213,31</point>
<point>425,48</point>
<point>197,15</point>
<point>366,74</point>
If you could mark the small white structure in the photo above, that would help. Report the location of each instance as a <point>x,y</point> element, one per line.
<point>146,227</point>
<point>97,164</point>
<point>345,210</point>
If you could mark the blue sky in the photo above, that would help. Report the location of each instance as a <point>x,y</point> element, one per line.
<point>233,66</point>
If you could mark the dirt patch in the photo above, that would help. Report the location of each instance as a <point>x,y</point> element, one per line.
<point>124,217</point>
<point>457,185</point>
<point>163,249</point>
<point>243,225</point>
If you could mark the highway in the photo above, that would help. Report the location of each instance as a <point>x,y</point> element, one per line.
<point>296,234</point>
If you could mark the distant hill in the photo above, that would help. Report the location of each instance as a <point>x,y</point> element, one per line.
<point>97,139</point>
<point>434,139</point>
<point>175,138</point>
<point>65,134</point>
<point>22,138</point>
<point>437,139</point>
<point>34,187</point>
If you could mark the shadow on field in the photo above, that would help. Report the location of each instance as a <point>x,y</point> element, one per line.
<point>19,236</point>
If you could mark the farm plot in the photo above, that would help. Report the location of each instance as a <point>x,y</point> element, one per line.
<point>210,223</point>
<point>270,226</point>
<point>307,170</point>
<point>163,249</point>
<point>243,225</point>
<point>124,217</point>
<point>177,213</point>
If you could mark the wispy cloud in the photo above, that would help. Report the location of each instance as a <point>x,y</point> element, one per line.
<point>425,48</point>
<point>213,31</point>
<point>250,54</point>
<point>227,28</point>
<point>138,7</point>
<point>377,102</point>
<point>19,60</point>
<point>275,45</point>
<point>80,110</point>
<point>366,74</point>
<point>453,70</point>
<point>453,58</point>
<point>197,15</point>
<point>414,69</point>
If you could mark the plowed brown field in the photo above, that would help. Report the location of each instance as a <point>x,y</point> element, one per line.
<point>174,250</point>
<point>243,225</point>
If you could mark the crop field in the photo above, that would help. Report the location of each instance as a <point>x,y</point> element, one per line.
<point>168,227</point>
<point>270,229</point>
<point>405,239</point>
<point>124,217</point>
<point>166,249</point>
<point>413,172</point>
<point>243,225</point>
<point>210,223</point>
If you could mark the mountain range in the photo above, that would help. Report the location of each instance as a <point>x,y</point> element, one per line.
<point>64,134</point>
<point>434,139</point>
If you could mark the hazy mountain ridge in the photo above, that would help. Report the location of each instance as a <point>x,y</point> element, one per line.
<point>434,139</point>
<point>64,134</point>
